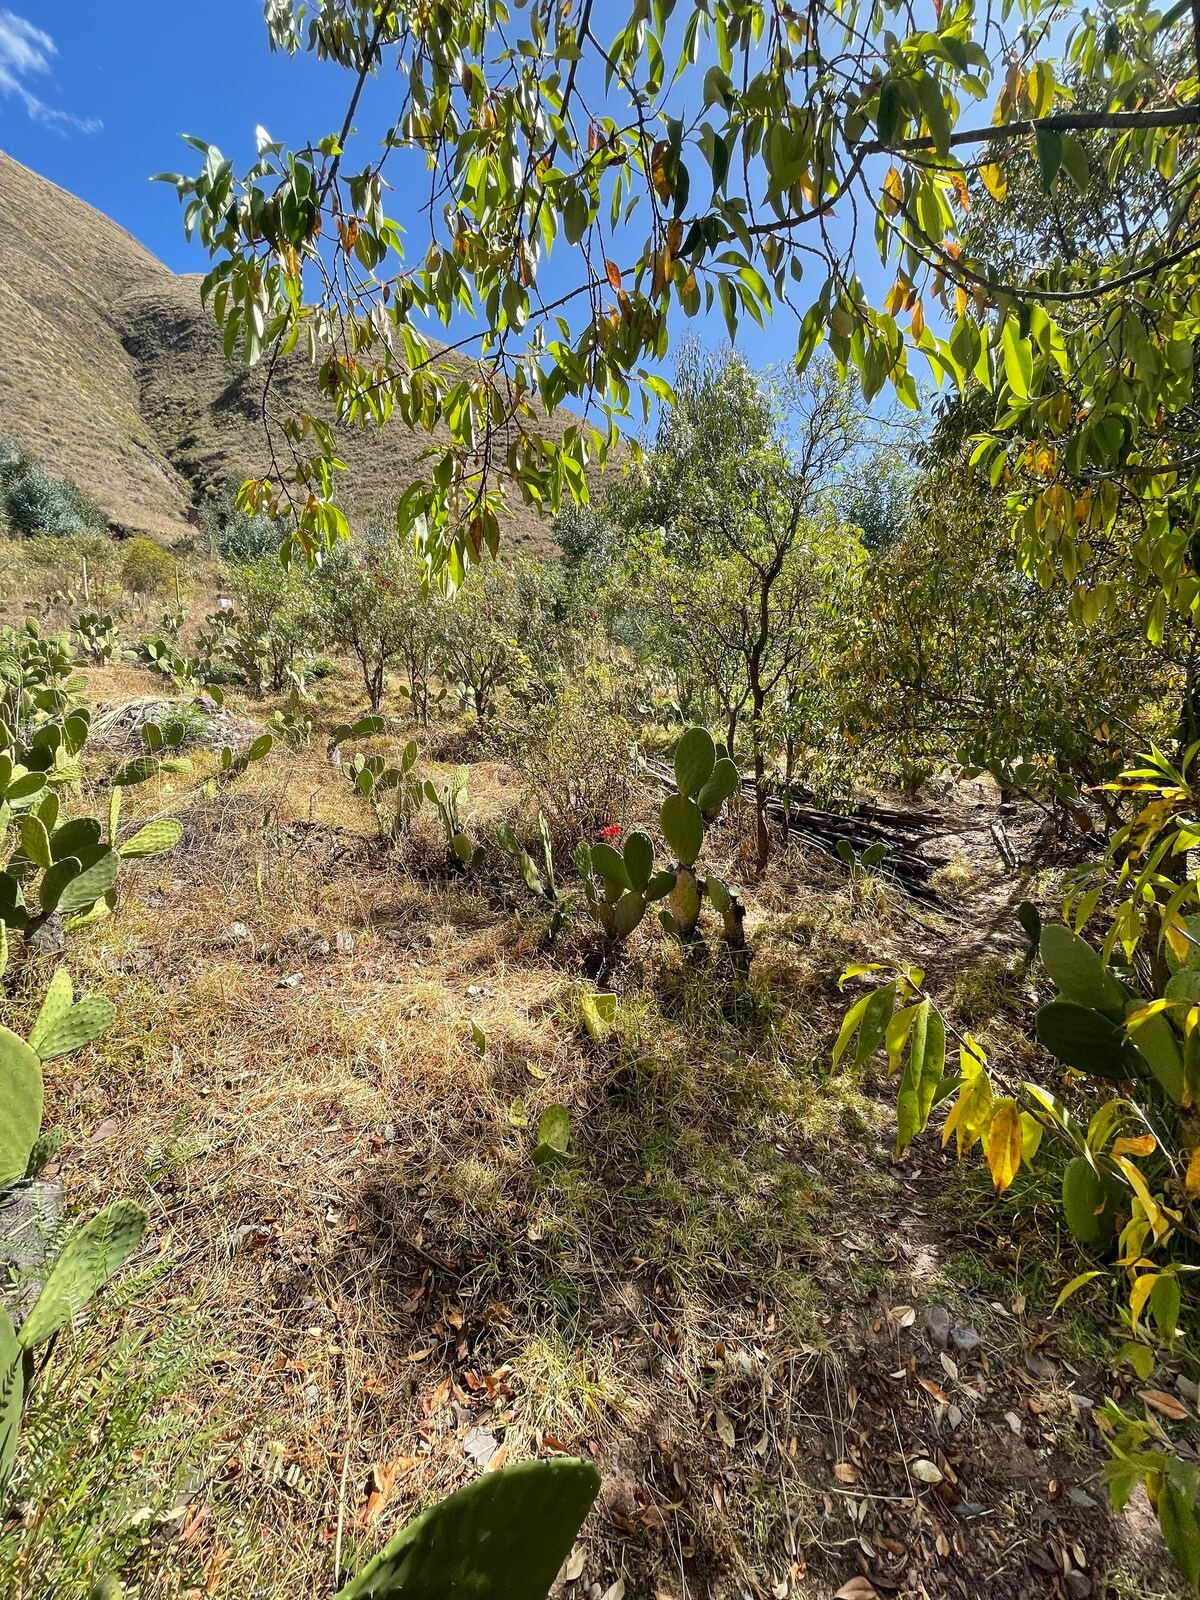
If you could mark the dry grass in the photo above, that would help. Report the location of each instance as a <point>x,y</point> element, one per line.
<point>341,1180</point>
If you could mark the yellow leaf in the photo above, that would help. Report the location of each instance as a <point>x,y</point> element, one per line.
<point>893,188</point>
<point>994,180</point>
<point>971,1112</point>
<point>1144,1145</point>
<point>1192,1182</point>
<point>1177,938</point>
<point>1142,1288</point>
<point>1004,1144</point>
<point>918,321</point>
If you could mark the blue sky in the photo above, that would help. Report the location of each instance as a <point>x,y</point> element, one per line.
<point>96,98</point>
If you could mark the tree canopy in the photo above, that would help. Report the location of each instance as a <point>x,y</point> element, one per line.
<point>746,156</point>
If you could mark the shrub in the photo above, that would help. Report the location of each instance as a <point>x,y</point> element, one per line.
<point>146,568</point>
<point>575,752</point>
<point>236,535</point>
<point>491,630</point>
<point>35,502</point>
<point>374,604</point>
<point>276,624</point>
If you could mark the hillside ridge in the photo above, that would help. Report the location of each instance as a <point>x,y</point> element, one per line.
<point>114,375</point>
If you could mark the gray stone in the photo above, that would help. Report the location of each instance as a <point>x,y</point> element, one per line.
<point>344,942</point>
<point>1041,1366</point>
<point>481,1446</point>
<point>964,1338</point>
<point>29,1214</point>
<point>1079,1583</point>
<point>1081,1498</point>
<point>937,1326</point>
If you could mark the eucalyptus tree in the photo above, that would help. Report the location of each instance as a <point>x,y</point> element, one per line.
<point>676,157</point>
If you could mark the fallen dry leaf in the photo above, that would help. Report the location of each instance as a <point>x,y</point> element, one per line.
<point>846,1472</point>
<point>574,1566</point>
<point>1166,1404</point>
<point>926,1471</point>
<point>725,1429</point>
<point>857,1589</point>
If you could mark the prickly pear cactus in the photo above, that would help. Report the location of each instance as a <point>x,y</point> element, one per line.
<point>503,1537</point>
<point>12,1395</point>
<point>89,1258</point>
<point>20,1105</point>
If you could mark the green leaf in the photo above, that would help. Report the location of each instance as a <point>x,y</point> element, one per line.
<point>1076,1284</point>
<point>1018,359</point>
<point>1180,1530</point>
<point>922,1073</point>
<point>875,1022</point>
<point>1049,154</point>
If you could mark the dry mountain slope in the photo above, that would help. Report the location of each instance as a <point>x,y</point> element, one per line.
<point>113,374</point>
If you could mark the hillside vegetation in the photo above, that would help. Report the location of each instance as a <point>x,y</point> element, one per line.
<point>114,375</point>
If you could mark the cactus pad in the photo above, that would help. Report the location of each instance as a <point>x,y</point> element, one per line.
<point>723,783</point>
<point>58,1001</point>
<point>89,1258</point>
<point>12,1395</point>
<point>503,1537</point>
<point>1084,1039</point>
<point>553,1135</point>
<point>639,861</point>
<point>92,884</point>
<point>77,1027</point>
<point>20,1105</point>
<point>683,827</point>
<point>1078,971</point>
<point>155,839</point>
<point>695,759</point>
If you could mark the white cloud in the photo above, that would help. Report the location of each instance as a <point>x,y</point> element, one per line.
<point>26,52</point>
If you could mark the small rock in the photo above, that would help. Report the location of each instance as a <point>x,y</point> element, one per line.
<point>473,989</point>
<point>1081,1402</point>
<point>481,1446</point>
<point>312,1397</point>
<point>48,938</point>
<point>937,1325</point>
<point>290,982</point>
<point>1079,1583</point>
<point>235,933</point>
<point>1080,1498</point>
<point>964,1338</point>
<point>390,1132</point>
<point>1041,1366</point>
<point>1014,1422</point>
<point>319,948</point>
<point>344,942</point>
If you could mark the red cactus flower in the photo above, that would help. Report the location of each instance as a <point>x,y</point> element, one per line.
<point>611,832</point>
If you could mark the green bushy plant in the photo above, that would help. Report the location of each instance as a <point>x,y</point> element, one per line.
<point>375,603</point>
<point>35,502</point>
<point>538,878</point>
<point>146,568</point>
<point>275,627</point>
<point>575,750</point>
